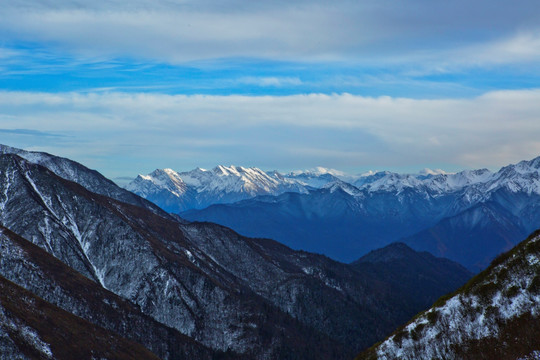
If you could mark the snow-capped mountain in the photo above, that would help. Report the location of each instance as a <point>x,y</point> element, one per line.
<point>199,188</point>
<point>434,183</point>
<point>494,316</point>
<point>522,177</point>
<point>180,191</point>
<point>317,177</point>
<point>247,297</point>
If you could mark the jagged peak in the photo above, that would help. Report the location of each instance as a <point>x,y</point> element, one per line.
<point>343,186</point>
<point>236,170</point>
<point>533,164</point>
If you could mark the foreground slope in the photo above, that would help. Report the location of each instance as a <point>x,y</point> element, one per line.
<point>31,267</point>
<point>494,316</point>
<point>338,299</point>
<point>31,328</point>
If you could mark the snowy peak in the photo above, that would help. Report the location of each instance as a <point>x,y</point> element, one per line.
<point>339,185</point>
<point>435,182</point>
<point>533,164</point>
<point>199,188</point>
<point>444,183</point>
<point>230,179</point>
<point>521,177</point>
<point>312,180</point>
<point>319,176</point>
<point>432,172</point>
<point>158,180</point>
<point>393,182</point>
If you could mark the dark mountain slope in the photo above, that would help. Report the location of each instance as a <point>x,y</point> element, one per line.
<point>31,328</point>
<point>34,269</point>
<point>496,315</point>
<point>339,299</point>
<point>486,228</point>
<point>405,269</point>
<point>331,220</point>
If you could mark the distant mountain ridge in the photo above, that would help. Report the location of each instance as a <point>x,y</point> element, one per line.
<point>196,189</point>
<point>433,212</point>
<point>199,188</point>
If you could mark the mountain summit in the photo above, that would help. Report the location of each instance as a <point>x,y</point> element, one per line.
<point>179,191</point>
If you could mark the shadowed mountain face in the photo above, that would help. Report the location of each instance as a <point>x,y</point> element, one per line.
<point>494,316</point>
<point>31,328</point>
<point>146,259</point>
<point>329,221</point>
<point>405,269</point>
<point>253,296</point>
<point>473,237</point>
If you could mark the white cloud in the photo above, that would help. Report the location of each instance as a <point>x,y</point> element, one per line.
<point>270,81</point>
<point>340,130</point>
<point>515,48</point>
<point>179,31</point>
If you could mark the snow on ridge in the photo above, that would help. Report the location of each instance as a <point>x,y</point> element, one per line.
<point>344,186</point>
<point>521,177</point>
<point>159,179</point>
<point>220,180</point>
<point>29,335</point>
<point>473,314</point>
<point>199,188</point>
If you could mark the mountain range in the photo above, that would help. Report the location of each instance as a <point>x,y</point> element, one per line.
<point>199,188</point>
<point>481,211</point>
<point>80,249</point>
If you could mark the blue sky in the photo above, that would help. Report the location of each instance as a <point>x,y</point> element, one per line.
<point>126,87</point>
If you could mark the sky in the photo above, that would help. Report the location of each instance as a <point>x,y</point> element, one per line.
<point>128,87</point>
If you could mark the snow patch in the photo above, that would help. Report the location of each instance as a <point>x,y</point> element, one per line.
<point>29,335</point>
